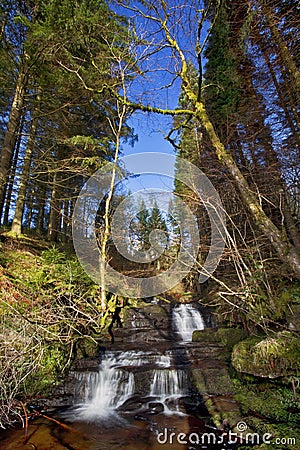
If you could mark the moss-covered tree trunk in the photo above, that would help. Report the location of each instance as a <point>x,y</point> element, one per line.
<point>286,252</point>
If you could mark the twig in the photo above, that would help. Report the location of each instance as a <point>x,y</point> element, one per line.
<point>26,423</point>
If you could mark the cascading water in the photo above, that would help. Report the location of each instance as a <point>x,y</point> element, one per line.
<point>101,394</point>
<point>186,319</point>
<point>104,391</point>
<point>169,384</point>
<point>138,399</point>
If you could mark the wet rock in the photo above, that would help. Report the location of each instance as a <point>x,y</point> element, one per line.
<point>86,364</point>
<point>146,324</point>
<point>56,401</point>
<point>211,381</point>
<point>132,404</point>
<point>176,405</point>
<point>155,408</point>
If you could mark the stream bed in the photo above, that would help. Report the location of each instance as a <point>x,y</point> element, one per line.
<point>137,397</point>
<point>161,432</point>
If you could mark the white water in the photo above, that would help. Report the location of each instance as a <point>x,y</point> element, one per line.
<point>186,319</point>
<point>101,393</point>
<point>104,391</point>
<point>169,384</point>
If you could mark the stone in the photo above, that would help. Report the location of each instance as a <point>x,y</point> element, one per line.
<point>268,357</point>
<point>150,323</point>
<point>132,404</point>
<point>155,408</point>
<point>227,337</point>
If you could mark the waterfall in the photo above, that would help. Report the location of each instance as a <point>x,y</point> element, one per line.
<point>104,391</point>
<point>100,394</point>
<point>121,377</point>
<point>169,385</point>
<point>186,319</point>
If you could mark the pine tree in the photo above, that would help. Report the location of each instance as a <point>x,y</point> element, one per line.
<point>72,133</point>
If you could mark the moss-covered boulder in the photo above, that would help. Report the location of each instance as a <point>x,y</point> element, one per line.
<point>271,357</point>
<point>227,337</point>
<point>216,388</point>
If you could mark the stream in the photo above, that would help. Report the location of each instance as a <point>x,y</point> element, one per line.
<point>138,397</point>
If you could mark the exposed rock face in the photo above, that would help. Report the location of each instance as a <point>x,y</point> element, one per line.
<point>227,337</point>
<point>149,324</point>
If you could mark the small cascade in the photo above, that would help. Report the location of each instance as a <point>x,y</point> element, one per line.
<point>163,360</point>
<point>102,392</point>
<point>186,319</point>
<point>168,383</point>
<point>121,375</point>
<point>126,379</point>
<point>167,386</point>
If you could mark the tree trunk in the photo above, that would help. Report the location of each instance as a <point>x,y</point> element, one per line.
<point>286,252</point>
<point>30,206</point>
<point>11,134</point>
<point>65,219</point>
<point>282,50</point>
<point>283,102</point>
<point>41,199</point>
<point>117,131</point>
<point>54,211</point>
<point>12,175</point>
<point>19,210</point>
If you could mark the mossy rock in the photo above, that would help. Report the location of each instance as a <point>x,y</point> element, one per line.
<point>212,380</point>
<point>269,406</point>
<point>227,337</point>
<point>87,348</point>
<point>271,357</point>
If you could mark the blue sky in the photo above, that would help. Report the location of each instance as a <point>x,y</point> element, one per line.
<point>159,84</point>
<point>150,131</point>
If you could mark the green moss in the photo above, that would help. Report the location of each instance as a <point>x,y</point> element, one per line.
<point>269,407</point>
<point>87,347</point>
<point>47,303</point>
<point>49,372</point>
<point>212,380</point>
<point>270,357</point>
<point>226,337</point>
